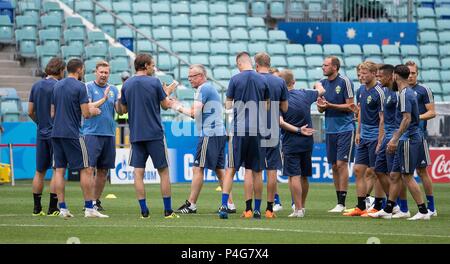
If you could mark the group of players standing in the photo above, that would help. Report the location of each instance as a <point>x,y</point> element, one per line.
<point>76,128</point>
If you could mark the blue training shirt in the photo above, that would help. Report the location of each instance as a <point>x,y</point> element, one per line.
<point>298,114</point>
<point>142,95</point>
<point>41,97</point>
<point>211,123</point>
<point>408,104</point>
<point>249,91</point>
<point>337,91</point>
<point>390,105</point>
<point>424,97</point>
<point>68,95</point>
<point>103,124</point>
<point>278,92</point>
<point>371,102</point>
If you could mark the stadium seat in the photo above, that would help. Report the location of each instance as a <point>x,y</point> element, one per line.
<point>180,8</point>
<point>294,49</point>
<point>352,62</point>
<point>352,49</point>
<point>198,47</point>
<point>255,22</point>
<point>300,74</point>
<point>390,50</point>
<point>296,61</point>
<point>161,34</point>
<point>141,7</point>
<point>278,61</point>
<point>430,76</point>
<point>444,37</point>
<point>445,62</point>
<point>428,50</point>
<point>332,49</point>
<point>409,51</point>
<point>428,37</point>
<point>444,51</point>
<point>258,35</point>
<point>53,9</point>
<point>199,59</point>
<point>237,9</point>
<point>425,12</point>
<point>49,37</point>
<point>371,50</point>
<point>117,52</point>
<point>201,8</point>
<point>442,24</point>
<point>237,22</point>
<point>6,30</point>
<point>119,65</point>
<point>446,89</point>
<point>220,34</point>
<point>426,24</point>
<point>95,52</point>
<point>200,34</point>
<point>219,48</point>
<point>235,48</point>
<point>276,9</point>
<point>161,7</point>
<point>185,94</point>
<point>50,22</point>
<point>392,60</point>
<point>200,21</point>
<point>254,48</point>
<point>73,51</point>
<point>85,9</point>
<point>218,21</point>
<point>222,73</point>
<point>278,36</point>
<point>89,77</point>
<point>26,41</point>
<point>218,8</point>
<point>181,47</point>
<point>74,23</point>
<point>276,49</point>
<point>443,12</point>
<point>181,34</point>
<point>160,20</point>
<point>98,38</point>
<point>314,61</point>
<point>239,34</point>
<point>218,60</point>
<point>315,74</point>
<point>430,63</point>
<point>258,8</point>
<point>313,49</point>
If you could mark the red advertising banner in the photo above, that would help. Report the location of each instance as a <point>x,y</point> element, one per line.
<point>439,170</point>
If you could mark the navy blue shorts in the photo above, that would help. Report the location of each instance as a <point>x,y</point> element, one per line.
<point>273,158</point>
<point>44,154</point>
<point>340,146</point>
<point>101,150</point>
<point>210,152</point>
<point>69,151</point>
<point>424,154</point>
<point>156,149</point>
<point>247,151</point>
<point>296,164</point>
<point>384,160</point>
<point>406,156</point>
<point>365,152</point>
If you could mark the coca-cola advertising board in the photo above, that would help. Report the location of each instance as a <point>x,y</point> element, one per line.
<point>439,169</point>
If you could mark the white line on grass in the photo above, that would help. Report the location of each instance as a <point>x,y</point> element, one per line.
<point>235,228</point>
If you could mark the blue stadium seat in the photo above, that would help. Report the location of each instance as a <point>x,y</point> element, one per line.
<point>430,63</point>
<point>200,34</point>
<point>254,48</point>
<point>428,50</point>
<point>6,30</point>
<point>71,51</point>
<point>181,34</point>
<point>237,22</point>
<point>276,9</point>
<point>352,49</point>
<point>201,8</point>
<point>314,61</point>
<point>300,74</point>
<point>219,48</point>
<point>296,61</point>
<point>218,21</point>
<point>430,76</point>
<point>200,21</point>
<point>255,22</point>
<point>276,49</point>
<point>259,9</point>
<point>258,35</point>
<point>278,36</point>
<point>294,49</point>
<point>239,34</point>
<point>315,74</point>
<point>200,47</point>
<point>235,48</point>
<point>390,50</point>
<point>332,49</point>
<point>313,49</point>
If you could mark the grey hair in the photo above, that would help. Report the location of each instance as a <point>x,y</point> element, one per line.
<point>199,67</point>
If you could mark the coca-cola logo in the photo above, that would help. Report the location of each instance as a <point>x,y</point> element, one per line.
<point>440,168</point>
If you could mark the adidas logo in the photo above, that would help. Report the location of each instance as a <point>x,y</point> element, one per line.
<point>423,162</point>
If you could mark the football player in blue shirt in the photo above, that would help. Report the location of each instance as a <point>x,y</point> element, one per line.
<point>298,141</point>
<point>369,133</point>
<point>39,111</point>
<point>425,100</point>
<point>405,143</point>
<point>142,96</point>
<point>207,111</point>
<point>279,103</point>
<point>339,108</point>
<point>248,97</point>
<point>69,104</point>
<point>99,131</point>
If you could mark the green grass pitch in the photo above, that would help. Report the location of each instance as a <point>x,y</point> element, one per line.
<point>125,226</point>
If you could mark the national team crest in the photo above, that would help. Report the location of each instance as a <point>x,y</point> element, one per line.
<point>338,89</point>
<point>369,99</point>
